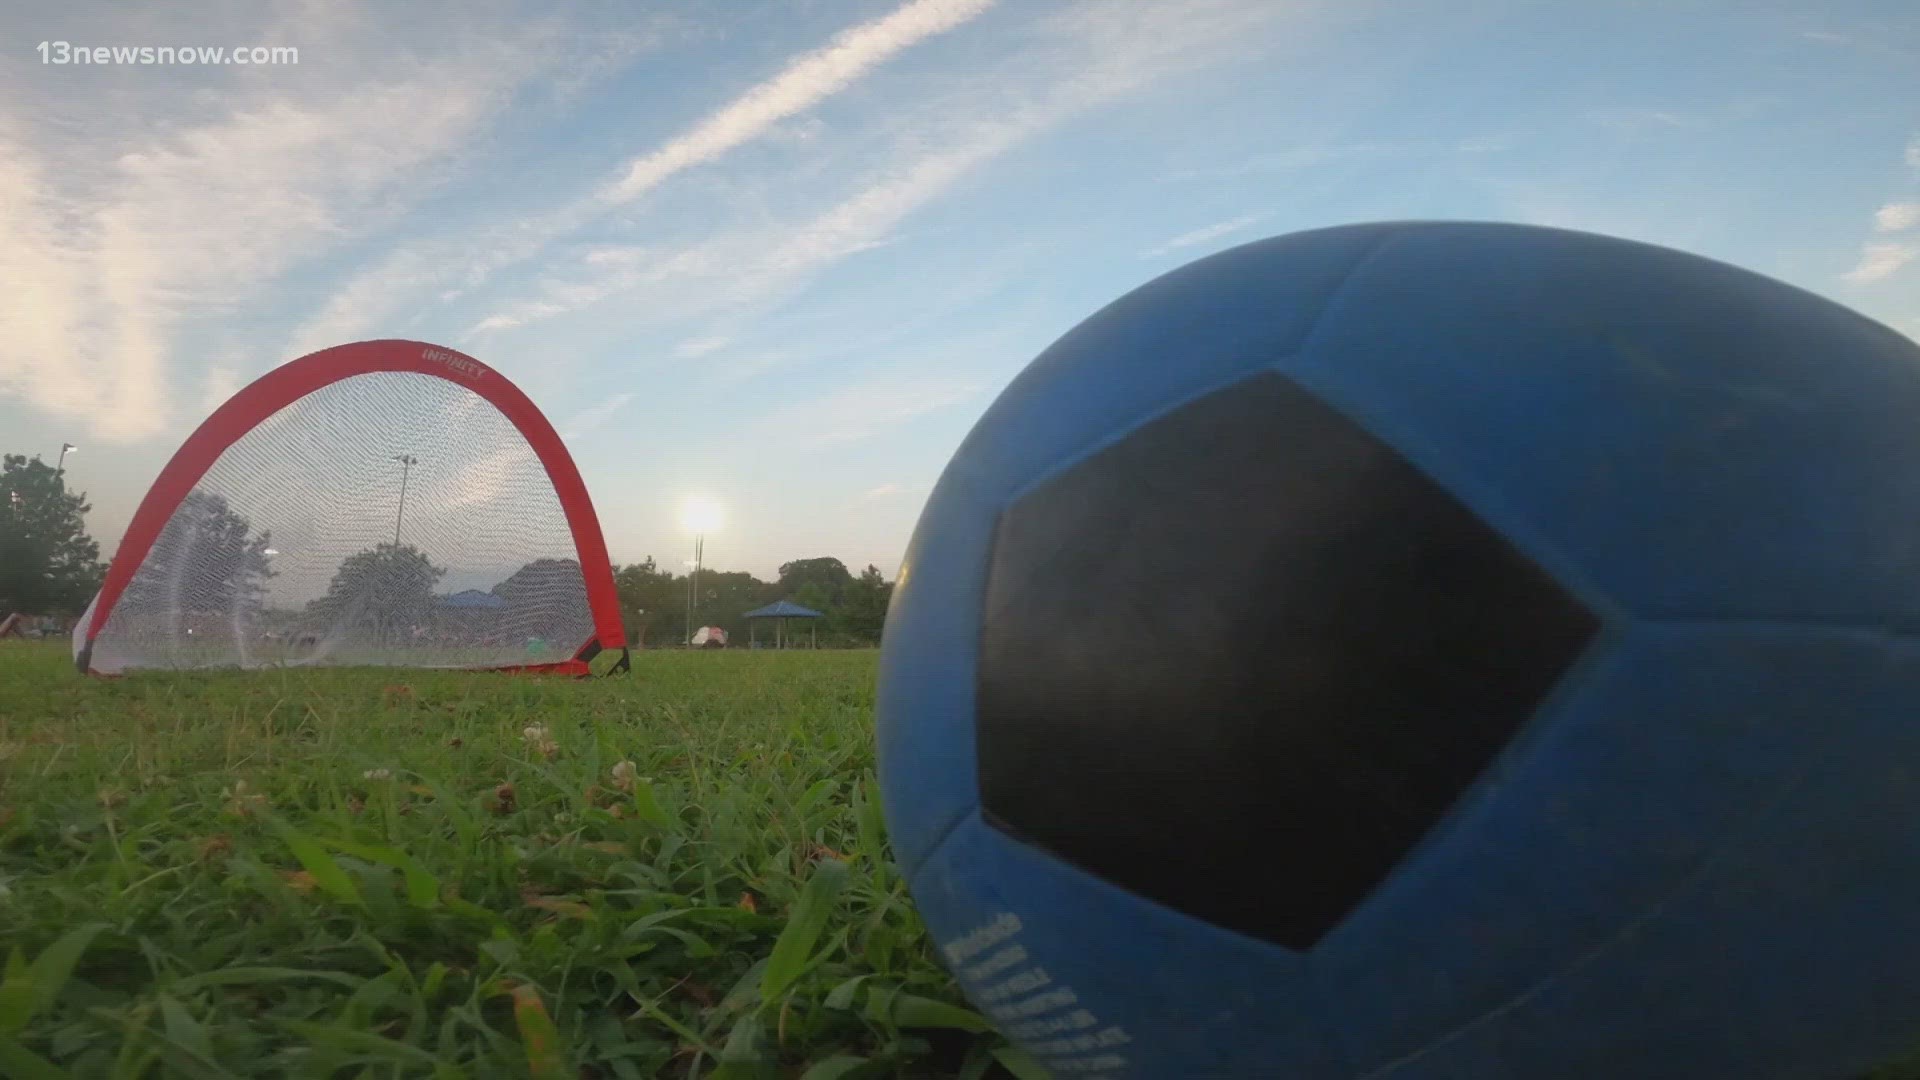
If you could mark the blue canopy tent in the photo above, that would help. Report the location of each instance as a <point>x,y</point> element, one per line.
<point>781,610</point>
<point>468,617</point>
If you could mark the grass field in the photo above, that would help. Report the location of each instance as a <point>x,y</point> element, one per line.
<point>382,874</point>
<point>366,873</point>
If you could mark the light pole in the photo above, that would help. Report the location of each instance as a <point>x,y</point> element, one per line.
<point>65,449</point>
<point>407,462</point>
<point>693,584</point>
<point>699,516</point>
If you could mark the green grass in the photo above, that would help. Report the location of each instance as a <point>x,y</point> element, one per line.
<point>384,873</point>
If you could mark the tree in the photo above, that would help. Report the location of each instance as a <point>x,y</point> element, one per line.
<point>727,595</point>
<point>386,589</point>
<point>813,595</point>
<point>863,611</point>
<point>215,565</point>
<point>646,596</point>
<point>48,563</point>
<point>541,582</point>
<point>654,602</point>
<point>827,574</point>
<point>542,598</point>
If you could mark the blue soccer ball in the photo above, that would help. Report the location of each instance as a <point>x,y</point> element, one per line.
<point>1417,651</point>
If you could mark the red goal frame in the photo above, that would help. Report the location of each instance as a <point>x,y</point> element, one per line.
<point>294,380</point>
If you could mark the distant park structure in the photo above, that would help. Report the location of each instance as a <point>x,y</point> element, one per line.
<point>780,611</point>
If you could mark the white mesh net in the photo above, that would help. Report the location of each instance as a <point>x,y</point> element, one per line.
<point>387,518</point>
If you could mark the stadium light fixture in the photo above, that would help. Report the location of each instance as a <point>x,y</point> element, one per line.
<point>407,462</point>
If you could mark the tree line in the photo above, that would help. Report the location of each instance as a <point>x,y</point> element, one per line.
<point>654,602</point>
<point>50,566</point>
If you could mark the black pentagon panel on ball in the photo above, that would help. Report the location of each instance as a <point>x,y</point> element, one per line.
<point>1241,660</point>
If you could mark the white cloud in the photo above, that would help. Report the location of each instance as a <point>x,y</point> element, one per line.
<point>50,354</point>
<point>799,130</point>
<point>222,383</point>
<point>1206,233</point>
<point>1641,121</point>
<point>563,293</point>
<point>481,480</point>
<point>861,222</point>
<point>129,213</point>
<point>349,313</point>
<point>492,322</point>
<point>616,255</point>
<point>588,419</point>
<point>740,368</point>
<point>1089,56</point>
<point>1105,52</point>
<point>365,304</point>
<point>806,82</point>
<point>695,348</point>
<point>744,265</point>
<point>1896,217</point>
<point>185,222</point>
<point>891,490</point>
<point>1880,260</point>
<point>1297,158</point>
<point>861,411</point>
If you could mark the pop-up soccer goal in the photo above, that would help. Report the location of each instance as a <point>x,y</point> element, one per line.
<point>385,502</point>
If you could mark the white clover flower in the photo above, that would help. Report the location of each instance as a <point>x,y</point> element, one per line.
<point>623,775</point>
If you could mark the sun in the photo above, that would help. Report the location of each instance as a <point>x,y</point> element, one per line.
<point>701,515</point>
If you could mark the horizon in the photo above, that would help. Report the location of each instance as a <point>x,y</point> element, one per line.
<point>783,256</point>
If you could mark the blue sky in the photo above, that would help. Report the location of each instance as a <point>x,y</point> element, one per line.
<point>783,254</point>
